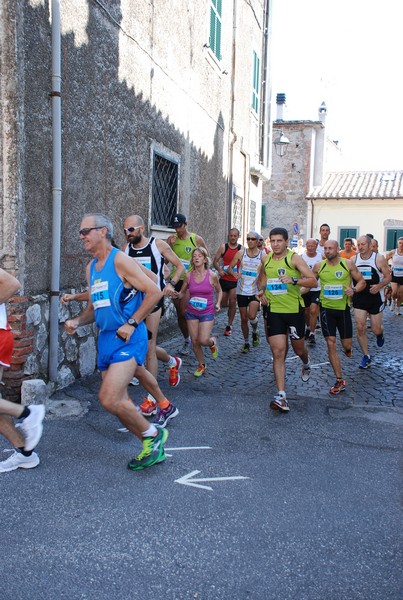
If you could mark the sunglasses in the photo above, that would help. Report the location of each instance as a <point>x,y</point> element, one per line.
<point>251,239</point>
<point>87,230</point>
<point>131,229</point>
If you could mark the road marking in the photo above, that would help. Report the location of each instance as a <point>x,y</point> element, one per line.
<point>187,448</point>
<point>187,480</point>
<point>320,364</point>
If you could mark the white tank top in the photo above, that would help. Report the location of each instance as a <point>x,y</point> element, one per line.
<point>311,261</point>
<point>397,264</point>
<point>247,283</point>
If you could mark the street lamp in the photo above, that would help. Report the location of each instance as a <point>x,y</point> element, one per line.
<point>281,143</point>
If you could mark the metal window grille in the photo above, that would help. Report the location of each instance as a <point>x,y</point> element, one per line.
<point>252,215</point>
<point>237,213</point>
<point>164,190</point>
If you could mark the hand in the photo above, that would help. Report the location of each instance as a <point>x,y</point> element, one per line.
<point>217,307</point>
<point>374,289</point>
<point>125,332</point>
<point>349,291</point>
<point>71,326</point>
<point>285,279</point>
<point>67,298</point>
<point>169,290</point>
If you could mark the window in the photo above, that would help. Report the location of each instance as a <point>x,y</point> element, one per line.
<point>215,27</point>
<point>392,235</point>
<point>164,190</point>
<point>255,82</point>
<point>347,232</point>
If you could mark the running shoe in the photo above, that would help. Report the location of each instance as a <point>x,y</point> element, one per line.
<point>32,426</point>
<point>134,381</point>
<point>348,353</point>
<point>255,339</point>
<point>307,334</point>
<point>19,461</point>
<point>365,362</point>
<point>280,403</point>
<point>397,310</point>
<point>245,348</point>
<point>228,330</point>
<point>201,369</point>
<point>338,387</point>
<point>164,415</point>
<point>174,377</point>
<point>184,351</point>
<point>152,453</point>
<point>392,306</point>
<point>380,340</point>
<point>214,348</point>
<point>312,339</point>
<point>305,372</point>
<point>148,407</point>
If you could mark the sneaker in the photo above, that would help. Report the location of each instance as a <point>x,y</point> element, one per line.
<point>338,387</point>
<point>174,377</point>
<point>307,334</point>
<point>365,362</point>
<point>245,348</point>
<point>201,369</point>
<point>184,351</point>
<point>380,340</point>
<point>19,461</point>
<point>165,415</point>
<point>393,306</point>
<point>228,330</point>
<point>134,381</point>
<point>214,348</point>
<point>148,407</point>
<point>152,453</point>
<point>311,339</point>
<point>305,372</point>
<point>32,426</point>
<point>279,403</point>
<point>255,339</point>
<point>397,310</point>
<point>348,353</point>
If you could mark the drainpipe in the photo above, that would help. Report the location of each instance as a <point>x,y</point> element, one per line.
<point>264,153</point>
<point>232,134</point>
<point>56,191</point>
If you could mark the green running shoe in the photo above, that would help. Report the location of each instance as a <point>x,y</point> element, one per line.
<point>152,453</point>
<point>255,339</point>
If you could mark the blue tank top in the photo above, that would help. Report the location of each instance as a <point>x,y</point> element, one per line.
<point>113,303</point>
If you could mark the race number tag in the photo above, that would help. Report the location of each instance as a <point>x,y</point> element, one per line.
<point>144,260</point>
<point>186,263</point>
<point>365,272</point>
<point>100,294</point>
<point>198,303</point>
<point>397,271</point>
<point>333,292</point>
<point>252,274</point>
<point>276,287</point>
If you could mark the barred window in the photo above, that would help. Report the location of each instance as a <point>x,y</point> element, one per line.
<point>164,190</point>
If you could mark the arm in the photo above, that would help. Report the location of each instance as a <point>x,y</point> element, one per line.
<point>9,285</point>
<point>387,276</point>
<point>185,286</point>
<point>358,278</point>
<point>234,261</point>
<point>217,258</point>
<point>389,254</point>
<point>87,316</point>
<point>215,282</point>
<point>80,297</point>
<point>307,279</point>
<point>262,282</point>
<point>201,242</point>
<point>170,257</point>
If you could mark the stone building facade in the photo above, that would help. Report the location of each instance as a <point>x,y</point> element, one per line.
<point>145,86</point>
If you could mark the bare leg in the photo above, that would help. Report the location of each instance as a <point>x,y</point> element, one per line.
<point>279,347</point>
<point>333,355</point>
<point>11,433</point>
<point>361,322</point>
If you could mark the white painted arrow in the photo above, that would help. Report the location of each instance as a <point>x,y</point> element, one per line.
<point>187,480</point>
<point>167,450</point>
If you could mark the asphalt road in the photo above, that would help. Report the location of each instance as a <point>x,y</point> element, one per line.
<point>304,506</point>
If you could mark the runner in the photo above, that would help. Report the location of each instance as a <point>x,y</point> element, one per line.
<point>228,283</point>
<point>348,251</point>
<point>183,243</point>
<point>311,296</point>
<point>324,232</point>
<point>283,272</point>
<point>201,282</point>
<point>249,260</point>
<point>335,274</point>
<point>397,276</point>
<point>375,271</point>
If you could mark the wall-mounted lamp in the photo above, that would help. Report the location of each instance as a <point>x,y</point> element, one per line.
<point>281,143</point>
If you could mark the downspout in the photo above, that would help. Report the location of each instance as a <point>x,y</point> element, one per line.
<point>312,209</point>
<point>265,133</point>
<point>56,191</point>
<point>232,134</point>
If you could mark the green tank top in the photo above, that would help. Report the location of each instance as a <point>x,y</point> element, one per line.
<point>334,280</point>
<point>183,250</point>
<point>282,297</point>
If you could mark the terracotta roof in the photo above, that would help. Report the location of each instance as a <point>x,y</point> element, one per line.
<point>362,184</point>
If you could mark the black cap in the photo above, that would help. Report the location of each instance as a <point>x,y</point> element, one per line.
<point>178,220</point>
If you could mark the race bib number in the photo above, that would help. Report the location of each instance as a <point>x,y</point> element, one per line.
<point>251,274</point>
<point>276,287</point>
<point>333,292</point>
<point>186,263</point>
<point>100,294</point>
<point>365,272</point>
<point>144,260</point>
<point>198,303</point>
<point>398,271</point>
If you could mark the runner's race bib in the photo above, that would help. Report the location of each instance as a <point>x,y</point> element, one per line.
<point>365,272</point>
<point>252,274</point>
<point>397,271</point>
<point>333,292</point>
<point>144,260</point>
<point>198,303</point>
<point>100,294</point>
<point>276,287</point>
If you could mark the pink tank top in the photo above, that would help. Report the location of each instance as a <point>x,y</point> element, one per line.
<point>201,296</point>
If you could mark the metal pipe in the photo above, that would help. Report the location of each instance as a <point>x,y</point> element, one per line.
<point>265,132</point>
<point>232,134</point>
<point>56,191</point>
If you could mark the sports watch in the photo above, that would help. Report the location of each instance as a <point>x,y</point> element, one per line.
<point>132,322</point>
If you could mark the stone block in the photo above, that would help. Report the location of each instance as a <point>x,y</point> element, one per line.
<point>34,391</point>
<point>34,314</point>
<point>87,357</point>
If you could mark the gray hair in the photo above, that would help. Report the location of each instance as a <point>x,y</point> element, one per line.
<point>100,220</point>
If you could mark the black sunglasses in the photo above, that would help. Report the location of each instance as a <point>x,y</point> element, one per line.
<point>131,229</point>
<point>87,230</point>
<point>251,239</point>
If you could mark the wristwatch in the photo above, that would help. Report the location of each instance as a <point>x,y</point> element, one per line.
<point>294,280</point>
<point>133,323</point>
<point>171,281</point>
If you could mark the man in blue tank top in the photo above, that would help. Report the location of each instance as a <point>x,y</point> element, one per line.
<point>121,296</point>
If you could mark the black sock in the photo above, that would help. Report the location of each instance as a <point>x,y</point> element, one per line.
<point>25,413</point>
<point>25,452</point>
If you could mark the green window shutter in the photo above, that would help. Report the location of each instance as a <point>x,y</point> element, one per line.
<point>392,236</point>
<point>347,232</point>
<point>255,84</point>
<point>215,28</point>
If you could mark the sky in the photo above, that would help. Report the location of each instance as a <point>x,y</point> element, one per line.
<point>349,54</point>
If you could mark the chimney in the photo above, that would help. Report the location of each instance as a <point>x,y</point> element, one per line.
<point>280,102</point>
<point>322,113</point>
<point>320,146</point>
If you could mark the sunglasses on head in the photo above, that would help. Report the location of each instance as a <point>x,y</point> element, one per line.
<point>248,239</point>
<point>87,230</point>
<point>130,229</point>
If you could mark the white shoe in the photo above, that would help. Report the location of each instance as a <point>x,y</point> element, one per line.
<point>397,310</point>
<point>135,381</point>
<point>392,306</point>
<point>32,426</point>
<point>19,461</point>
